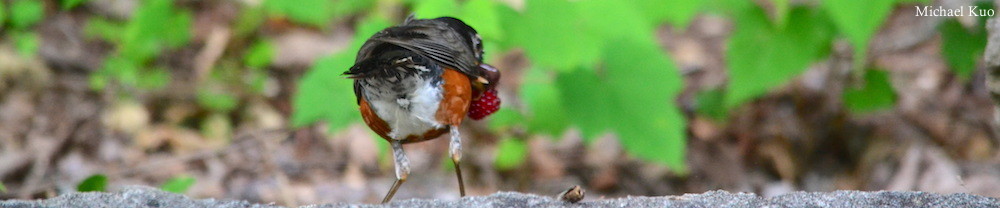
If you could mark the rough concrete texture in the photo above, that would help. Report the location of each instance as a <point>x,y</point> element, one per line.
<point>150,197</point>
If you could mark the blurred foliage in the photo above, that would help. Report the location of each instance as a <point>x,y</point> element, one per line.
<point>96,182</point>
<point>596,65</point>
<point>877,93</point>
<point>963,47</point>
<point>70,4</point>
<point>762,56</point>
<point>858,20</point>
<point>157,25</point>
<point>601,74</point>
<point>511,153</point>
<point>24,14</point>
<point>178,184</point>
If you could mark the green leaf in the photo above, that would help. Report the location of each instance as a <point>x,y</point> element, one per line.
<point>913,1</point>
<point>634,97</point>
<point>587,102</point>
<point>26,43</point>
<point>781,8</point>
<point>179,184</point>
<point>962,48</point>
<point>259,55</point>
<point>156,25</point>
<point>3,189</point>
<point>858,20</point>
<point>546,114</point>
<point>95,182</point>
<point>505,118</point>
<point>347,7</point>
<point>762,57</point>
<point>678,13</point>
<point>549,32</point>
<point>70,4</point>
<point>711,103</point>
<point>626,24</point>
<point>435,8</point>
<point>311,12</point>
<point>877,94</point>
<point>324,95</point>
<point>25,13</point>
<point>511,153</point>
<point>483,15</point>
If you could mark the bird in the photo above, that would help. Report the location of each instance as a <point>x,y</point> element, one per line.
<point>417,81</point>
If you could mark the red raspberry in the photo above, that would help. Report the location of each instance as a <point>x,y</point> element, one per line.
<point>487,104</point>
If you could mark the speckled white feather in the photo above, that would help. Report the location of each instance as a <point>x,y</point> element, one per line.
<point>413,115</point>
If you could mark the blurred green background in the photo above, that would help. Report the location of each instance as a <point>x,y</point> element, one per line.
<point>641,97</point>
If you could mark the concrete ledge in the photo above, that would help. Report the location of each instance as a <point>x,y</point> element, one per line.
<point>151,197</point>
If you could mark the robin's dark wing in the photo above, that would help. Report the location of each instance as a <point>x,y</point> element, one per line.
<point>429,38</point>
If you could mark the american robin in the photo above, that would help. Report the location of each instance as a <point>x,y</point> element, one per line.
<point>416,81</point>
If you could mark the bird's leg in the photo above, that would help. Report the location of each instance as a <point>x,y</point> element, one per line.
<point>402,169</point>
<point>456,156</point>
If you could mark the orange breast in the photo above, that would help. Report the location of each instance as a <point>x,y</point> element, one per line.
<point>457,94</point>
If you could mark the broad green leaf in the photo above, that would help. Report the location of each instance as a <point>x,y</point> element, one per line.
<point>549,32</point>
<point>858,20</point>
<point>3,189</point>
<point>678,13</point>
<point>545,110</point>
<point>259,55</point>
<point>781,8</point>
<point>25,13</point>
<point>644,83</point>
<point>347,7</point>
<point>179,184</point>
<point>505,118</point>
<point>633,97</point>
<point>511,153</point>
<point>962,48</point>
<point>435,8</point>
<point>730,8</point>
<point>324,95</point>
<point>762,57</point>
<point>311,12</point>
<point>626,24</point>
<point>877,94</point>
<point>70,4</point>
<point>483,16</point>
<point>26,43</point>
<point>913,1</point>
<point>587,101</point>
<point>95,182</point>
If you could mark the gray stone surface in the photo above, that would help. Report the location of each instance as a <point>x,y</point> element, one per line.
<point>150,197</point>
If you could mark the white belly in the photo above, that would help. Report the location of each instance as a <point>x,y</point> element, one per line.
<point>413,115</point>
